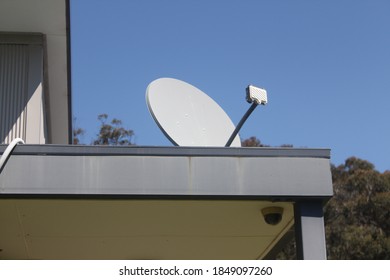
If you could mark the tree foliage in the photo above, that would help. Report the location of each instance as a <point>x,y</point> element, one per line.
<point>253,141</point>
<point>113,133</point>
<point>357,218</point>
<point>77,132</point>
<point>110,133</point>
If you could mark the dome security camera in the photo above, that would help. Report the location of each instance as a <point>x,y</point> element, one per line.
<point>272,215</point>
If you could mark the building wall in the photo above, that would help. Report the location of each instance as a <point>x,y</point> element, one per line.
<point>49,18</point>
<point>22,112</point>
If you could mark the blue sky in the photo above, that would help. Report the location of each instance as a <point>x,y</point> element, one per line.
<point>325,65</point>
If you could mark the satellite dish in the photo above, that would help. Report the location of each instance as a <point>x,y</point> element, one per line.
<point>187,116</point>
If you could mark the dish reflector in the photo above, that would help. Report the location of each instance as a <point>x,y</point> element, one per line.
<point>187,116</point>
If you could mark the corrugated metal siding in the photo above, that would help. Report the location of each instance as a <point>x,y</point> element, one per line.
<point>14,68</point>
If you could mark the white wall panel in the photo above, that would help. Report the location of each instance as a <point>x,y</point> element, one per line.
<point>21,93</point>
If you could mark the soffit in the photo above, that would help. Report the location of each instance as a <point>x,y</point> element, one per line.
<point>138,229</point>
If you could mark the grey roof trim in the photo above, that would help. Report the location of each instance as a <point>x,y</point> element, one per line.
<point>272,198</point>
<point>278,173</point>
<point>67,150</point>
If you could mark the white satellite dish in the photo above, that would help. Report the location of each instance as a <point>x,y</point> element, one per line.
<point>188,116</point>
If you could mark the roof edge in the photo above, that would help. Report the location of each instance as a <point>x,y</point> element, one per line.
<point>82,150</point>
